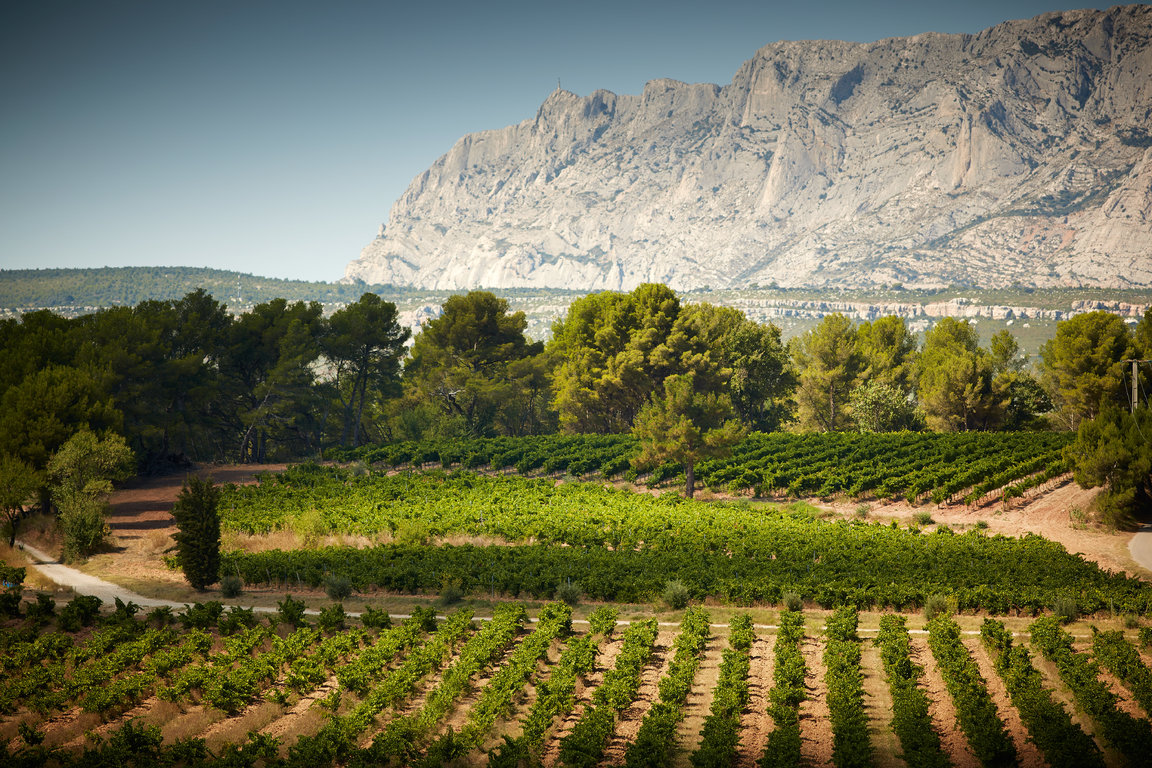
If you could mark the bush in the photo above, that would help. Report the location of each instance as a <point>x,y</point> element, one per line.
<point>12,579</point>
<point>290,611</point>
<point>337,587</point>
<point>43,609</point>
<point>1131,621</point>
<point>231,586</point>
<point>161,616</point>
<point>83,527</point>
<point>81,612</point>
<point>792,601</point>
<point>570,593</point>
<point>923,518</point>
<point>235,619</point>
<point>374,617</point>
<point>198,537</point>
<point>332,618</point>
<point>981,525</point>
<point>862,510</point>
<point>202,615</point>
<point>675,594</point>
<point>935,605</point>
<point>451,595</point>
<point>124,614</point>
<point>1066,609</point>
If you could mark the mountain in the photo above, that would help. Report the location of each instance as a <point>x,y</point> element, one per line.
<point>1021,154</point>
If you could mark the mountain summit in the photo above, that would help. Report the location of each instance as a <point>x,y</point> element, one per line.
<point>1021,154</point>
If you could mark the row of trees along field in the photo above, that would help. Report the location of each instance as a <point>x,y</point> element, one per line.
<point>183,379</point>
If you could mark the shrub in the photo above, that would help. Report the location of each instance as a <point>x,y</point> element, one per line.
<point>202,615</point>
<point>332,618</point>
<point>935,605</point>
<point>1131,621</point>
<point>923,517</point>
<point>235,619</point>
<point>161,616</point>
<point>43,609</point>
<point>862,510</point>
<point>80,476</point>
<point>451,595</point>
<point>81,612</point>
<point>570,593</point>
<point>675,594</point>
<point>374,617</point>
<point>83,525</point>
<point>231,586</point>
<point>1066,609</point>
<point>198,537</point>
<point>981,525</point>
<point>337,587</point>
<point>124,613</point>
<point>290,611</point>
<point>12,579</point>
<point>792,601</point>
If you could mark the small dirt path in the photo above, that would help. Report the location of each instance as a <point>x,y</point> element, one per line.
<point>86,584</point>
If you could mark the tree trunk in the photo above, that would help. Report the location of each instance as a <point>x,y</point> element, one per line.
<point>690,475</point>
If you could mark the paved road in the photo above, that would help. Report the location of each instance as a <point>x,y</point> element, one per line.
<point>1141,546</point>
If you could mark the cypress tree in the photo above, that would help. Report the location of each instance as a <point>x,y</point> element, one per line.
<point>198,537</point>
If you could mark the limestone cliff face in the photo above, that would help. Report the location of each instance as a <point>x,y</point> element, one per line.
<point>1019,154</point>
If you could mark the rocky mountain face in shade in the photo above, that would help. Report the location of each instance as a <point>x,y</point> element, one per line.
<point>1022,154</point>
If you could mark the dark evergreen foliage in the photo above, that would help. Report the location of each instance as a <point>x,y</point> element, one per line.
<point>198,537</point>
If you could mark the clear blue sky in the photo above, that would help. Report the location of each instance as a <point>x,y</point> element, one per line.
<point>272,136</point>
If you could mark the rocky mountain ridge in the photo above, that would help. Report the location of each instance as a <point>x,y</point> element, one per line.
<point>1020,154</point>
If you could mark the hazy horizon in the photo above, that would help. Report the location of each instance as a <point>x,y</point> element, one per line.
<point>273,137</point>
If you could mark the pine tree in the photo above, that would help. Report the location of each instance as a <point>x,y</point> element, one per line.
<point>198,537</point>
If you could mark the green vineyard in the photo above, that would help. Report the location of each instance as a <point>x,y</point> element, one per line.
<point>920,467</point>
<point>624,547</point>
<point>158,689</point>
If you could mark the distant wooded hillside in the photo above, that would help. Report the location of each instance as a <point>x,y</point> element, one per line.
<point>127,286</point>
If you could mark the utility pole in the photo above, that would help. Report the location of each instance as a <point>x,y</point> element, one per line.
<point>1136,382</point>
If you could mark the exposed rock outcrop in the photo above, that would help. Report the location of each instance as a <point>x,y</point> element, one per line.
<point>1019,154</point>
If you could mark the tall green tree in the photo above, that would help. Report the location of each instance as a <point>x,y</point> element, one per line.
<point>829,366</point>
<point>955,379</point>
<point>888,350</point>
<point>475,364</point>
<point>1019,393</point>
<point>161,363</point>
<point>763,382</point>
<point>881,407</point>
<point>364,345</point>
<point>1113,451</point>
<point>611,353</point>
<point>80,477</point>
<point>267,372</point>
<point>1082,366</point>
<point>19,484</point>
<point>40,413</point>
<point>684,424</point>
<point>197,516</point>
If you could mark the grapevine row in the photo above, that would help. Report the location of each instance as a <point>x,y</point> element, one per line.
<point>975,711</point>
<point>788,691</point>
<point>656,740</point>
<point>1131,736</point>
<point>584,746</point>
<point>910,718</point>
<point>851,746</point>
<point>721,732</point>
<point>1112,650</point>
<point>1064,743</point>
